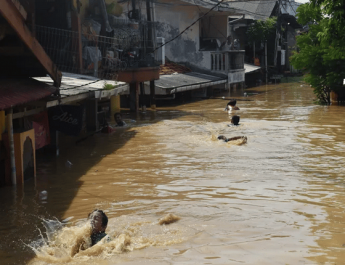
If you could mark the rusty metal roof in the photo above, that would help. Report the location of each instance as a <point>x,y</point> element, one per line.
<point>14,92</point>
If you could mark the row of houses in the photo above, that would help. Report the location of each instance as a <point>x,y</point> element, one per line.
<point>67,65</point>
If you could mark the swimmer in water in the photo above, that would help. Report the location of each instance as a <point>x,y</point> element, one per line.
<point>222,137</point>
<point>235,120</point>
<point>99,222</point>
<point>118,120</point>
<point>231,105</point>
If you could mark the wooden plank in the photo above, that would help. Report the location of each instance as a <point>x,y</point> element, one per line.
<point>20,8</point>
<point>17,22</point>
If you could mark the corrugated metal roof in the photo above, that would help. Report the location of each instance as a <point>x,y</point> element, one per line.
<point>189,81</point>
<point>252,9</point>
<point>75,84</point>
<point>15,92</point>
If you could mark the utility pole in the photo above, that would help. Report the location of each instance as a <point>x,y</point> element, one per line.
<point>277,33</point>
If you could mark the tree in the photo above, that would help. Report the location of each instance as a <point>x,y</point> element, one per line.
<point>322,48</point>
<point>261,31</point>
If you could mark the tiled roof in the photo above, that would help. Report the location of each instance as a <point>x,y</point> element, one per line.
<point>171,68</point>
<point>15,92</point>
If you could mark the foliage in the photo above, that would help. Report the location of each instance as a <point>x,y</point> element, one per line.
<point>262,30</point>
<point>321,49</point>
<point>107,86</point>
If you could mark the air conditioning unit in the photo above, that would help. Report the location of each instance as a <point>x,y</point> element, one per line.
<point>160,53</point>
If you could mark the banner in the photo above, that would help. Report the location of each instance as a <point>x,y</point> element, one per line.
<point>40,124</point>
<point>67,119</point>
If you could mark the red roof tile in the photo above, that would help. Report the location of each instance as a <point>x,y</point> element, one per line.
<point>170,68</point>
<point>15,92</point>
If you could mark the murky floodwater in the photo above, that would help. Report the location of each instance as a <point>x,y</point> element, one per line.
<point>278,199</point>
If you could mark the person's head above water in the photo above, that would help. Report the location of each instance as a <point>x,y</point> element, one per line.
<point>235,119</point>
<point>118,119</point>
<point>232,102</point>
<point>231,105</point>
<point>99,221</point>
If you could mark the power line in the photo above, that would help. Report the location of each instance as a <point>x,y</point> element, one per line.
<point>189,26</point>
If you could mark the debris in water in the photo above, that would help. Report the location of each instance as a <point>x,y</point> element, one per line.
<point>168,219</point>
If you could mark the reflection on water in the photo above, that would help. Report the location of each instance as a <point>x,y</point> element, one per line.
<point>278,199</point>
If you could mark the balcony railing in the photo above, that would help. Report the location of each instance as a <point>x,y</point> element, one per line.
<point>230,63</point>
<point>92,54</point>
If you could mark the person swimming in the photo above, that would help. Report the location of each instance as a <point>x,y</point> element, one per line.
<point>99,222</point>
<point>222,137</point>
<point>231,106</point>
<point>235,120</point>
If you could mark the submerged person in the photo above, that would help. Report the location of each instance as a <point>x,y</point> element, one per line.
<point>99,222</point>
<point>118,120</point>
<point>243,138</point>
<point>231,105</point>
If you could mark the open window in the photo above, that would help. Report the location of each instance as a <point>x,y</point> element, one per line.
<point>213,32</point>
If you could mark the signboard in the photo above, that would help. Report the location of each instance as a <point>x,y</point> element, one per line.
<point>67,119</point>
<point>40,124</point>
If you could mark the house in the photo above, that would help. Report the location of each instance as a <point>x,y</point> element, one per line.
<point>38,102</point>
<point>193,32</point>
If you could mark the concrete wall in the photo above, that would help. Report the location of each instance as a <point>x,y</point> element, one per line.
<point>170,22</point>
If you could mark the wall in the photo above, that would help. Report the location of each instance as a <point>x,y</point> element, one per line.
<point>291,44</point>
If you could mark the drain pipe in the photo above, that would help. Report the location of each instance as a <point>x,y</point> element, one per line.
<point>11,143</point>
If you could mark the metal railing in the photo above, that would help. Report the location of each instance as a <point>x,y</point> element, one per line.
<point>92,54</point>
<point>230,63</point>
<point>225,61</point>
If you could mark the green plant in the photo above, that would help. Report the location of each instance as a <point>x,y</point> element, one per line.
<point>107,86</point>
<point>321,49</point>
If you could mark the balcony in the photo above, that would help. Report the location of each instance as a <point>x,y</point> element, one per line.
<point>230,63</point>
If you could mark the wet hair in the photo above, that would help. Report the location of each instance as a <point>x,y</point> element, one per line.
<point>232,102</point>
<point>235,119</point>
<point>104,216</point>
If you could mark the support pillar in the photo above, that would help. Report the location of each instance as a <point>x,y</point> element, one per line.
<point>152,94</point>
<point>2,123</point>
<point>115,104</point>
<point>11,144</point>
<point>142,97</point>
<point>134,96</point>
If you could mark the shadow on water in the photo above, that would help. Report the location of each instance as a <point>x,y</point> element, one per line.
<point>57,184</point>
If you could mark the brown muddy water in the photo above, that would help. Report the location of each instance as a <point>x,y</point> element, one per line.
<point>278,199</point>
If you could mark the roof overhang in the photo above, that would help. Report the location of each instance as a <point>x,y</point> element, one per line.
<point>15,92</point>
<point>20,53</point>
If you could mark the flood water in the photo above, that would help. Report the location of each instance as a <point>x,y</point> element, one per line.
<point>278,199</point>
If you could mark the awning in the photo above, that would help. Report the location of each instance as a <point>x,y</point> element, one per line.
<point>75,87</point>
<point>170,84</point>
<point>249,68</point>
<point>14,92</point>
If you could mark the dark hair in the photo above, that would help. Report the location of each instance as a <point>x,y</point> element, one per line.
<point>232,102</point>
<point>104,217</point>
<point>235,119</point>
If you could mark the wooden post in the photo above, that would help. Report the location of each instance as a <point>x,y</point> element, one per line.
<point>266,61</point>
<point>134,96</point>
<point>152,94</point>
<point>142,97</point>
<point>11,144</point>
